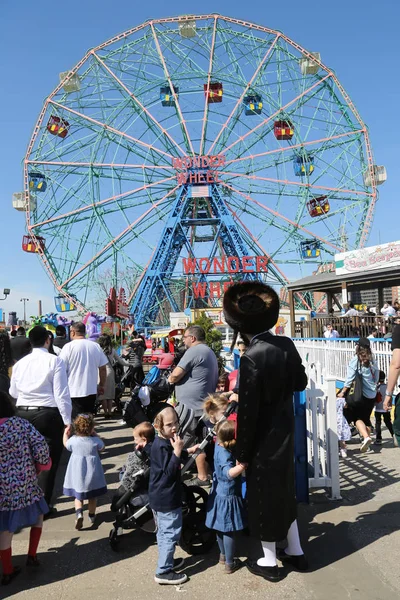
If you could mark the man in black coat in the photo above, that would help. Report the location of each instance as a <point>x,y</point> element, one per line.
<point>20,345</point>
<point>270,371</point>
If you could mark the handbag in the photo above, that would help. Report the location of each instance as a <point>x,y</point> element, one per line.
<point>354,396</point>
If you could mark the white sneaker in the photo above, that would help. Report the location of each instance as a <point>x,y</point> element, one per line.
<point>343,452</point>
<point>365,444</point>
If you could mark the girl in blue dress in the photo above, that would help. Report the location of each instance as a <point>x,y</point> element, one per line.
<point>225,508</point>
<point>84,479</point>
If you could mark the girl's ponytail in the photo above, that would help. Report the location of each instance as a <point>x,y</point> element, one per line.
<point>226,434</point>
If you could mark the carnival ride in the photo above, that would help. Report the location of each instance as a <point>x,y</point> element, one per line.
<point>196,136</point>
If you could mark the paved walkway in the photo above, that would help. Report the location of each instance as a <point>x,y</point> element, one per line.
<point>353,545</point>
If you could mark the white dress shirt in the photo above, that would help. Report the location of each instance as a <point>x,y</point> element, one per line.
<point>332,334</point>
<point>82,360</point>
<point>40,379</point>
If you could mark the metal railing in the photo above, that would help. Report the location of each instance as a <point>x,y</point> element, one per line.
<point>347,327</point>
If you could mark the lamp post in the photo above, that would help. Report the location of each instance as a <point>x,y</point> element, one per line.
<point>24,300</point>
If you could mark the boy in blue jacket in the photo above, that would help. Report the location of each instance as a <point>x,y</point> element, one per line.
<point>165,494</point>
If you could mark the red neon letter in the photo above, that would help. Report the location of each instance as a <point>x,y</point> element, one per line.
<point>232,269</point>
<point>215,289</point>
<point>247,264</point>
<point>227,284</point>
<point>189,265</point>
<point>221,160</point>
<point>261,264</point>
<point>205,269</point>
<point>199,289</point>
<point>181,177</point>
<point>219,265</point>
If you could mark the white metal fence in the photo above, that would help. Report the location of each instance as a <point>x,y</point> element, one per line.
<point>322,439</point>
<point>335,355</point>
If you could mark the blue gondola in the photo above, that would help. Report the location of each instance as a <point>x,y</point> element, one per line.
<point>253,104</point>
<point>166,96</point>
<point>62,304</point>
<point>303,165</point>
<point>37,182</point>
<point>310,249</point>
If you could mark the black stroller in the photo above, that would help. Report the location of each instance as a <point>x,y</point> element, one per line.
<point>132,510</point>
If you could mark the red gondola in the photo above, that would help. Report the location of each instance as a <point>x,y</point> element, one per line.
<point>215,92</point>
<point>283,130</point>
<point>57,126</point>
<point>28,245</point>
<point>318,206</point>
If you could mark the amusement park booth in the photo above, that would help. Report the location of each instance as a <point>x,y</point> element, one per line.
<point>373,268</point>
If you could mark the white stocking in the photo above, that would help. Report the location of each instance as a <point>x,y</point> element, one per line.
<point>269,558</point>
<point>294,547</point>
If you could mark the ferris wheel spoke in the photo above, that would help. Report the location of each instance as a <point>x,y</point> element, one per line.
<point>95,205</point>
<point>295,183</point>
<point>210,65</point>
<point>119,236</point>
<point>246,89</point>
<point>137,101</point>
<point>100,165</point>
<point>282,109</point>
<point>290,148</point>
<point>177,105</point>
<point>280,216</point>
<point>111,129</point>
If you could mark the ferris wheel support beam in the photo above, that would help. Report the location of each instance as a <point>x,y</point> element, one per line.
<point>119,236</point>
<point>276,214</point>
<point>101,202</point>
<point>288,182</point>
<point>111,129</point>
<point>210,64</point>
<point>99,165</point>
<point>135,99</point>
<point>246,89</point>
<point>293,147</point>
<point>279,111</point>
<point>168,76</point>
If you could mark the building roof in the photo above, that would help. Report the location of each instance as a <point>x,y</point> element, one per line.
<point>361,280</point>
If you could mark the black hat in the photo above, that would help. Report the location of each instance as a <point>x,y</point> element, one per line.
<point>251,307</point>
<point>364,342</point>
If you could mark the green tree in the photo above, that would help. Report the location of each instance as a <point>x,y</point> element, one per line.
<point>213,337</point>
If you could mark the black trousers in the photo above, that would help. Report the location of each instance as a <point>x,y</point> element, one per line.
<point>378,423</point>
<point>49,423</point>
<point>83,404</point>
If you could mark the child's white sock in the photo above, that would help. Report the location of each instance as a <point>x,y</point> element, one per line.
<point>269,558</point>
<point>294,547</point>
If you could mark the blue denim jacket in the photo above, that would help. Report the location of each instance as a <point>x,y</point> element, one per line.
<point>370,377</point>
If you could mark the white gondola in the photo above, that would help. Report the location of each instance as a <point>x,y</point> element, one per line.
<point>73,84</point>
<point>380,176</point>
<point>309,66</point>
<point>18,202</point>
<point>187,28</point>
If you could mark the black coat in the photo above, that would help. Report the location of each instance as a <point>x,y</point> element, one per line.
<point>270,371</point>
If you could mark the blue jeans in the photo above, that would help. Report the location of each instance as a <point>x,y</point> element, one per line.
<point>169,527</point>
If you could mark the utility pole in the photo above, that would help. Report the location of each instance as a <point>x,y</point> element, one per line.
<point>24,300</point>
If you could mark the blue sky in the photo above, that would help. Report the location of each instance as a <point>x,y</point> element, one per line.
<point>357,39</point>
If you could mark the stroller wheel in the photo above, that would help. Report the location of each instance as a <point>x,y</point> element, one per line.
<point>114,540</point>
<point>196,538</point>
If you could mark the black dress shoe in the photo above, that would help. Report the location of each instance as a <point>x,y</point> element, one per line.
<point>7,579</point>
<point>300,563</point>
<point>269,573</point>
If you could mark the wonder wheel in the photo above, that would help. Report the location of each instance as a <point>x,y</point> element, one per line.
<point>188,152</point>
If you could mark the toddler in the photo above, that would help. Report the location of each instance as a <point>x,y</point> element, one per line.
<point>84,479</point>
<point>380,411</point>
<point>343,428</point>
<point>165,493</point>
<point>225,508</point>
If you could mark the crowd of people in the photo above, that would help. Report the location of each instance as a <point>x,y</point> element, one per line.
<point>48,401</point>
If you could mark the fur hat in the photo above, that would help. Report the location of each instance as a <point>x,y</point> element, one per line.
<point>251,307</point>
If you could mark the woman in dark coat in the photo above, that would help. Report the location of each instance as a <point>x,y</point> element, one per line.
<point>270,371</point>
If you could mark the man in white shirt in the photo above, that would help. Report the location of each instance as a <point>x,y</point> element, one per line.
<point>85,362</point>
<point>387,310</point>
<point>351,311</point>
<point>330,333</point>
<point>39,383</point>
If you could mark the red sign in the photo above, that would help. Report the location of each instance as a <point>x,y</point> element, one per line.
<point>198,169</point>
<point>117,306</point>
<point>225,264</point>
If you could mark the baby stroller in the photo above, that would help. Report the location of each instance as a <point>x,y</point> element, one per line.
<point>132,510</point>
<point>147,397</point>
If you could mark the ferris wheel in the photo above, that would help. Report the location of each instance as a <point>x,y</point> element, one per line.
<point>183,144</point>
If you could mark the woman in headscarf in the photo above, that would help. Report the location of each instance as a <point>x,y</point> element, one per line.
<point>270,371</point>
